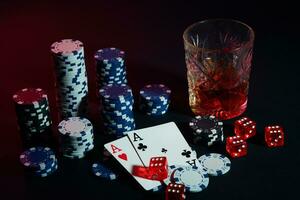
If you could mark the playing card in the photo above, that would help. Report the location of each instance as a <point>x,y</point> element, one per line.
<point>124,152</point>
<point>162,140</point>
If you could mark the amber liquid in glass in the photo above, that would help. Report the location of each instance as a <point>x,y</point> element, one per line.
<point>218,86</point>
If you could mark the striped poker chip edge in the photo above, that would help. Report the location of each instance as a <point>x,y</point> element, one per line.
<point>183,175</point>
<point>222,162</point>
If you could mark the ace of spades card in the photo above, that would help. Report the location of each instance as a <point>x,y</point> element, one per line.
<point>163,140</point>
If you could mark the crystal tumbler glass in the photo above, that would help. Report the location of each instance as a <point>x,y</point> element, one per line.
<point>218,54</point>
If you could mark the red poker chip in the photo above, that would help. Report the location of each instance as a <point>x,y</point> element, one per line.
<point>29,96</point>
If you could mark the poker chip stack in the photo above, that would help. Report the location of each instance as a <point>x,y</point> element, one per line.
<point>207,130</point>
<point>155,99</point>
<point>117,109</point>
<point>71,77</point>
<point>32,109</point>
<point>76,137</point>
<point>39,161</point>
<point>110,67</point>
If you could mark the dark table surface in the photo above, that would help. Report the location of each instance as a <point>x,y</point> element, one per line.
<point>151,35</point>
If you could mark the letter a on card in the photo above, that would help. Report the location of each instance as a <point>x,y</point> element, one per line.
<point>115,149</point>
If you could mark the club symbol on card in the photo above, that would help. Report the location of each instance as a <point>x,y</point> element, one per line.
<point>123,156</point>
<point>186,153</point>
<point>163,150</point>
<point>142,147</point>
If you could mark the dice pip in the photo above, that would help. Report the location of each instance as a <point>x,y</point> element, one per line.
<point>158,168</point>
<point>274,136</point>
<point>236,146</point>
<point>175,191</point>
<point>245,128</point>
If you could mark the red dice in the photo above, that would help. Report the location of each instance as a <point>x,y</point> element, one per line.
<point>157,170</point>
<point>236,146</point>
<point>158,167</point>
<point>274,136</point>
<point>245,128</point>
<point>175,191</point>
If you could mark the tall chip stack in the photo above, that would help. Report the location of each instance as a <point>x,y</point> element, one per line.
<point>33,113</point>
<point>117,109</point>
<point>71,77</point>
<point>110,67</point>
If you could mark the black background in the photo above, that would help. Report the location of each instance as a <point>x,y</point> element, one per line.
<point>151,35</point>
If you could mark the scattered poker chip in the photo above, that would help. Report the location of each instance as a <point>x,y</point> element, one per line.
<point>41,161</point>
<point>155,99</point>
<point>76,137</point>
<point>102,171</point>
<point>110,67</point>
<point>71,77</point>
<point>33,112</point>
<point>215,164</point>
<point>48,172</point>
<point>37,157</point>
<point>207,130</point>
<point>194,178</point>
<point>117,109</point>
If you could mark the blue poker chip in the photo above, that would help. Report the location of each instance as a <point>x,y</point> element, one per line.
<point>155,91</point>
<point>37,158</point>
<point>47,173</point>
<point>215,164</point>
<point>155,99</point>
<point>194,178</point>
<point>109,54</point>
<point>102,171</point>
<point>119,92</point>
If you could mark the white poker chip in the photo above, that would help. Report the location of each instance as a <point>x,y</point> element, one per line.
<point>215,164</point>
<point>75,126</point>
<point>194,178</point>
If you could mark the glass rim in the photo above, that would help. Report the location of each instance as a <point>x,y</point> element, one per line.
<point>190,45</point>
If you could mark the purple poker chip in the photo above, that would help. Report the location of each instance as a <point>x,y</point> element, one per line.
<point>116,92</point>
<point>155,91</point>
<point>109,54</point>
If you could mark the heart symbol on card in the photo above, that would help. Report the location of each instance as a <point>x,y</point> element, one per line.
<point>123,156</point>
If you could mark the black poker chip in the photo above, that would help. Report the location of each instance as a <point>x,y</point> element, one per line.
<point>207,130</point>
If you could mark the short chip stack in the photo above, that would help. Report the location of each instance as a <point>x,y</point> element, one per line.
<point>110,67</point>
<point>117,109</point>
<point>40,161</point>
<point>32,109</point>
<point>207,130</point>
<point>155,99</point>
<point>71,77</point>
<point>76,137</point>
